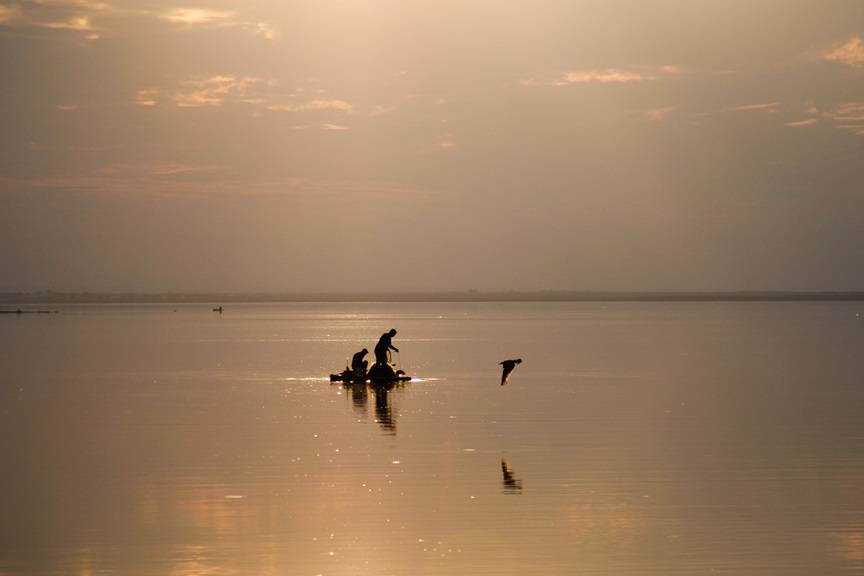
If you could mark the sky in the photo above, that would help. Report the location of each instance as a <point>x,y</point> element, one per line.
<point>369,145</point>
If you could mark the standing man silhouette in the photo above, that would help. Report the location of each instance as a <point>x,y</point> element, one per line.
<point>385,344</point>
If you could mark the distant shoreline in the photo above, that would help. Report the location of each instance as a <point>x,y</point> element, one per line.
<point>11,298</point>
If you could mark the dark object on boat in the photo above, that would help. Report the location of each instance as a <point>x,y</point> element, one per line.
<point>379,373</point>
<point>219,309</point>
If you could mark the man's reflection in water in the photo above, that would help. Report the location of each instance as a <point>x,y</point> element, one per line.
<point>511,484</point>
<point>359,396</point>
<point>384,414</point>
<point>383,409</point>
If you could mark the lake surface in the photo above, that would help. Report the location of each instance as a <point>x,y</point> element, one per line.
<point>635,438</point>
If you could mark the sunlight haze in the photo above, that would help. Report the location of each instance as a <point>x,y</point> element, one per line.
<point>448,145</point>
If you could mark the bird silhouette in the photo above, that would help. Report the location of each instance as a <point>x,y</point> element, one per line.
<point>508,365</point>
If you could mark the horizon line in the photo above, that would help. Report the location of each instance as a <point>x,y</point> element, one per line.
<point>132,297</point>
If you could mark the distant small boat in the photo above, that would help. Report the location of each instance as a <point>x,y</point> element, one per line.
<point>219,309</point>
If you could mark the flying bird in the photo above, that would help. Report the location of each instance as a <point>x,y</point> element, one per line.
<point>508,365</point>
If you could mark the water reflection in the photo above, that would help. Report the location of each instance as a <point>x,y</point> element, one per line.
<point>384,414</point>
<point>510,483</point>
<point>383,409</point>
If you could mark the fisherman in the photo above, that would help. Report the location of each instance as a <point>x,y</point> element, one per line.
<point>358,363</point>
<point>385,344</point>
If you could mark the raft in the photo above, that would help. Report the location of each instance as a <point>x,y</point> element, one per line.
<point>378,374</point>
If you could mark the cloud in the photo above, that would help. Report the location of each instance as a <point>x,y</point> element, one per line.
<point>382,110</point>
<point>189,18</point>
<point>608,76</point>
<point>803,123</point>
<point>339,105</point>
<point>80,23</point>
<point>851,53</point>
<point>219,90</point>
<point>9,13</point>
<point>847,112</point>
<point>336,127</point>
<point>657,114</point>
<point>770,107</point>
<point>74,15</point>
<point>198,16</point>
<point>848,117</point>
<point>266,30</point>
<point>83,4</point>
<point>605,76</point>
<point>79,16</point>
<point>228,89</point>
<point>146,97</point>
<point>856,129</point>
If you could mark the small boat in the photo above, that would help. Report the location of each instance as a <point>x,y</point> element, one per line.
<point>378,374</point>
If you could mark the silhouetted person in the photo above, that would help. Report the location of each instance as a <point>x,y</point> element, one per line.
<point>385,344</point>
<point>358,363</point>
<point>509,366</point>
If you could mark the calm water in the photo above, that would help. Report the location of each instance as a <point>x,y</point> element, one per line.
<point>634,439</point>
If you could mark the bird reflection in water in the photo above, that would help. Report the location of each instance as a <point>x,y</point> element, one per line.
<point>511,484</point>
<point>384,414</point>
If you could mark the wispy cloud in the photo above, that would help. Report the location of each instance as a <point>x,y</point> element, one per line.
<point>338,105</point>
<point>189,18</point>
<point>672,69</point>
<point>847,112</point>
<point>856,129</point>
<point>80,23</point>
<point>9,13</point>
<point>73,15</point>
<point>850,53</point>
<point>605,76</point>
<point>90,16</point>
<point>219,90</point>
<point>266,30</point>
<point>657,114</point>
<point>608,76</point>
<point>198,16</point>
<point>335,127</point>
<point>769,107</point>
<point>146,97</point>
<point>382,110</point>
<point>848,117</point>
<point>227,89</point>
<point>803,123</point>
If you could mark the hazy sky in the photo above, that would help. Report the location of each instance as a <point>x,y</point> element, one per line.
<point>281,145</point>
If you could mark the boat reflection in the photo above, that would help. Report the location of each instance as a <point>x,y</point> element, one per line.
<point>384,414</point>
<point>509,482</point>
